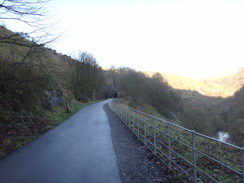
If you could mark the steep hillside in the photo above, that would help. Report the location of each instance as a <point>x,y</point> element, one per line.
<point>39,88</point>
<point>223,86</point>
<point>203,87</point>
<point>20,50</point>
<point>209,107</point>
<point>232,81</point>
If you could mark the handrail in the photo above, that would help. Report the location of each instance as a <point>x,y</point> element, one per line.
<point>199,157</point>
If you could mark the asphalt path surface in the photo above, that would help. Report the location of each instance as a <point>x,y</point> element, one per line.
<point>79,150</point>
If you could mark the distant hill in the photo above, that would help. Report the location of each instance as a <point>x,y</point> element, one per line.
<point>223,86</point>
<point>232,82</point>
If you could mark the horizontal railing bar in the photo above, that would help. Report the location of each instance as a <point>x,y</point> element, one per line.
<point>190,147</point>
<point>182,157</point>
<point>181,168</point>
<point>145,131</point>
<point>161,120</point>
<point>148,141</point>
<point>207,175</point>
<point>237,172</point>
<point>172,161</point>
<point>211,138</point>
<point>173,124</point>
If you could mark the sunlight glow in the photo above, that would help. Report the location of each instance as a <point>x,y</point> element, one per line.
<point>193,39</point>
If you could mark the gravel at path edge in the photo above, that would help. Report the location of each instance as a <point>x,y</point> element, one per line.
<point>135,163</point>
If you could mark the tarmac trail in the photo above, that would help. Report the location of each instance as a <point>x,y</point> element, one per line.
<point>80,150</point>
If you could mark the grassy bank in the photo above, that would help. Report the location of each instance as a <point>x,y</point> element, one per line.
<point>14,138</point>
<point>58,115</point>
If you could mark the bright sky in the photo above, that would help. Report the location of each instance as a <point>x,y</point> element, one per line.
<point>197,38</point>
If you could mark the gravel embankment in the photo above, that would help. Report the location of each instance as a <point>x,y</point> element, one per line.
<point>136,164</point>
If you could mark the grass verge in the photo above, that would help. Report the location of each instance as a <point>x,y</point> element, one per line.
<point>58,114</point>
<point>16,135</point>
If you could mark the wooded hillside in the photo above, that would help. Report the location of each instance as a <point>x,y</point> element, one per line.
<point>232,82</point>
<point>36,81</point>
<point>213,87</point>
<point>207,114</point>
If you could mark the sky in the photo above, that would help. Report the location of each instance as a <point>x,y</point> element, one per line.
<point>197,39</point>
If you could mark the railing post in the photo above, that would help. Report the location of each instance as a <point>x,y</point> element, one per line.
<point>123,114</point>
<point>128,124</point>
<point>133,124</point>
<point>131,117</point>
<point>242,149</point>
<point>127,117</point>
<point>119,111</point>
<point>169,145</point>
<point>138,123</point>
<point>194,155</point>
<point>145,131</point>
<point>154,136</point>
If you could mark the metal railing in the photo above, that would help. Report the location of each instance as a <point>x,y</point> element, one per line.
<point>196,157</point>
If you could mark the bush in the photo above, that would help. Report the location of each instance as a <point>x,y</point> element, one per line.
<point>22,85</point>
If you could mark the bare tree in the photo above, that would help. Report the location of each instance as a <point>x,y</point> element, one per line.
<point>30,13</point>
<point>27,11</point>
<point>23,47</point>
<point>23,70</point>
<point>86,77</point>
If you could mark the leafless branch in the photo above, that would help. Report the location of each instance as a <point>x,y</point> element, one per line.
<point>33,13</point>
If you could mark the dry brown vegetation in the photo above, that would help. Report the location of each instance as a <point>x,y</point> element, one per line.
<point>212,105</point>
<point>203,106</point>
<point>232,82</point>
<point>34,80</point>
<point>212,87</point>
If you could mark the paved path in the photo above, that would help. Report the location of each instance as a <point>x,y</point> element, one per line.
<point>79,150</point>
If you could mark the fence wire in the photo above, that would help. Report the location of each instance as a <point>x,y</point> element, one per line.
<point>198,158</point>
